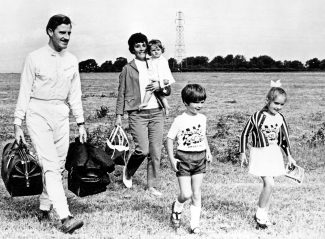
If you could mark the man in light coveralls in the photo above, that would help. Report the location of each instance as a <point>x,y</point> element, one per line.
<point>49,88</point>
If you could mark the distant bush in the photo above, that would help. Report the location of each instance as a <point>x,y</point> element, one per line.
<point>226,136</point>
<point>102,112</point>
<point>318,137</point>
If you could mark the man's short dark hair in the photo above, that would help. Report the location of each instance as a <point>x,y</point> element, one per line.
<point>136,38</point>
<point>57,20</point>
<point>193,93</point>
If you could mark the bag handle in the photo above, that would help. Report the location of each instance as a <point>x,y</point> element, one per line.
<point>113,133</point>
<point>122,136</point>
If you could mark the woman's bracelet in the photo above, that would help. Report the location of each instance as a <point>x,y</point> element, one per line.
<point>81,123</point>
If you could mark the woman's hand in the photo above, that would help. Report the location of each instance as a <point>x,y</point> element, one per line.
<point>243,160</point>
<point>118,120</point>
<point>82,134</point>
<point>153,86</point>
<point>19,134</point>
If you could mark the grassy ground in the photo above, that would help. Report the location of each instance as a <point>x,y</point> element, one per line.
<point>229,194</point>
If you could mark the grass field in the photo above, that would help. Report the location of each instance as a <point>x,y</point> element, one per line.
<point>229,194</point>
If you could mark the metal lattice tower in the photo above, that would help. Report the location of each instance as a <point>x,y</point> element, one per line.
<point>180,44</point>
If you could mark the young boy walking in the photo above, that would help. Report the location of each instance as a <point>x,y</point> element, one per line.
<point>193,152</point>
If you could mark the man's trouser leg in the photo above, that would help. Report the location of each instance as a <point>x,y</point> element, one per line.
<point>48,126</point>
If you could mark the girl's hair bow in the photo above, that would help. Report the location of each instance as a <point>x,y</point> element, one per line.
<point>275,83</point>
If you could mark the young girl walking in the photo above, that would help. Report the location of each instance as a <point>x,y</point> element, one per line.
<point>269,134</point>
<point>193,152</point>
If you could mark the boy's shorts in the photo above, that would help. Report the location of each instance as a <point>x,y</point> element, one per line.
<point>190,163</point>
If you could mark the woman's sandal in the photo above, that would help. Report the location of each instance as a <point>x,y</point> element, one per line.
<point>259,223</point>
<point>175,217</point>
<point>195,230</point>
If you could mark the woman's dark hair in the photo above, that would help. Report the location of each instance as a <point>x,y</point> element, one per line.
<point>136,38</point>
<point>193,93</point>
<point>57,20</point>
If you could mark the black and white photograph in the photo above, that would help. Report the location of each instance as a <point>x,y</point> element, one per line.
<point>162,119</point>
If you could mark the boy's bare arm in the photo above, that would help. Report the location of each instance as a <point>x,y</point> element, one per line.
<point>209,155</point>
<point>170,152</point>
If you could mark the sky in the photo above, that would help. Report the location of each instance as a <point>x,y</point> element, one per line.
<point>282,29</point>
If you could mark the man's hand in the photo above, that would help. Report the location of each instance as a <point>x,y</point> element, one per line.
<point>82,134</point>
<point>243,160</point>
<point>19,134</point>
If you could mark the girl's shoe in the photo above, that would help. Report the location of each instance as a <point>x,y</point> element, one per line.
<point>175,217</point>
<point>260,224</point>
<point>195,230</point>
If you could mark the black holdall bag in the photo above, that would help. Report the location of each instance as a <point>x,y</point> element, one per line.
<point>20,171</point>
<point>88,169</point>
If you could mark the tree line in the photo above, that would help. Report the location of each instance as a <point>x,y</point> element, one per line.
<point>219,63</point>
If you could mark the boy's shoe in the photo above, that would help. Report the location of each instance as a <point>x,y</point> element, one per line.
<point>154,192</point>
<point>195,230</point>
<point>43,215</point>
<point>70,224</point>
<point>127,182</point>
<point>260,223</point>
<point>175,217</point>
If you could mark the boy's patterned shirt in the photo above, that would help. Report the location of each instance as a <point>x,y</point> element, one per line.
<point>190,131</point>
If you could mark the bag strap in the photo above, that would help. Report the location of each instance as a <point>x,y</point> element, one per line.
<point>113,133</point>
<point>122,137</point>
<point>22,151</point>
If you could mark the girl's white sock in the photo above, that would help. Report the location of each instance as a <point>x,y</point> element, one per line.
<point>261,213</point>
<point>195,216</point>
<point>178,206</point>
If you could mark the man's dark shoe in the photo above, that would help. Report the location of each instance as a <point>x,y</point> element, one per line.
<point>70,224</point>
<point>43,216</point>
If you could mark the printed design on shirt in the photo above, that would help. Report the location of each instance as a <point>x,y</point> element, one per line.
<point>192,136</point>
<point>271,132</point>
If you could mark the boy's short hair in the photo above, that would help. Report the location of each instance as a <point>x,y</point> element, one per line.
<point>193,93</point>
<point>56,21</point>
<point>157,43</point>
<point>136,38</point>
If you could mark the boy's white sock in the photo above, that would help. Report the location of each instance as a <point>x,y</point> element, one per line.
<point>195,216</point>
<point>261,213</point>
<point>178,206</point>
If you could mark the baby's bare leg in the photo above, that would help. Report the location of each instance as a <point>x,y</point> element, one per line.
<point>164,101</point>
<point>146,99</point>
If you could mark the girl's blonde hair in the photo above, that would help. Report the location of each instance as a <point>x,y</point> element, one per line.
<point>274,92</point>
<point>157,43</point>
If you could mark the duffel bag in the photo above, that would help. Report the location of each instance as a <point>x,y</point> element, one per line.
<point>84,183</point>
<point>20,171</point>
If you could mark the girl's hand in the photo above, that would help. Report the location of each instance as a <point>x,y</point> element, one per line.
<point>173,163</point>
<point>209,156</point>
<point>291,161</point>
<point>243,160</point>
<point>153,86</point>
